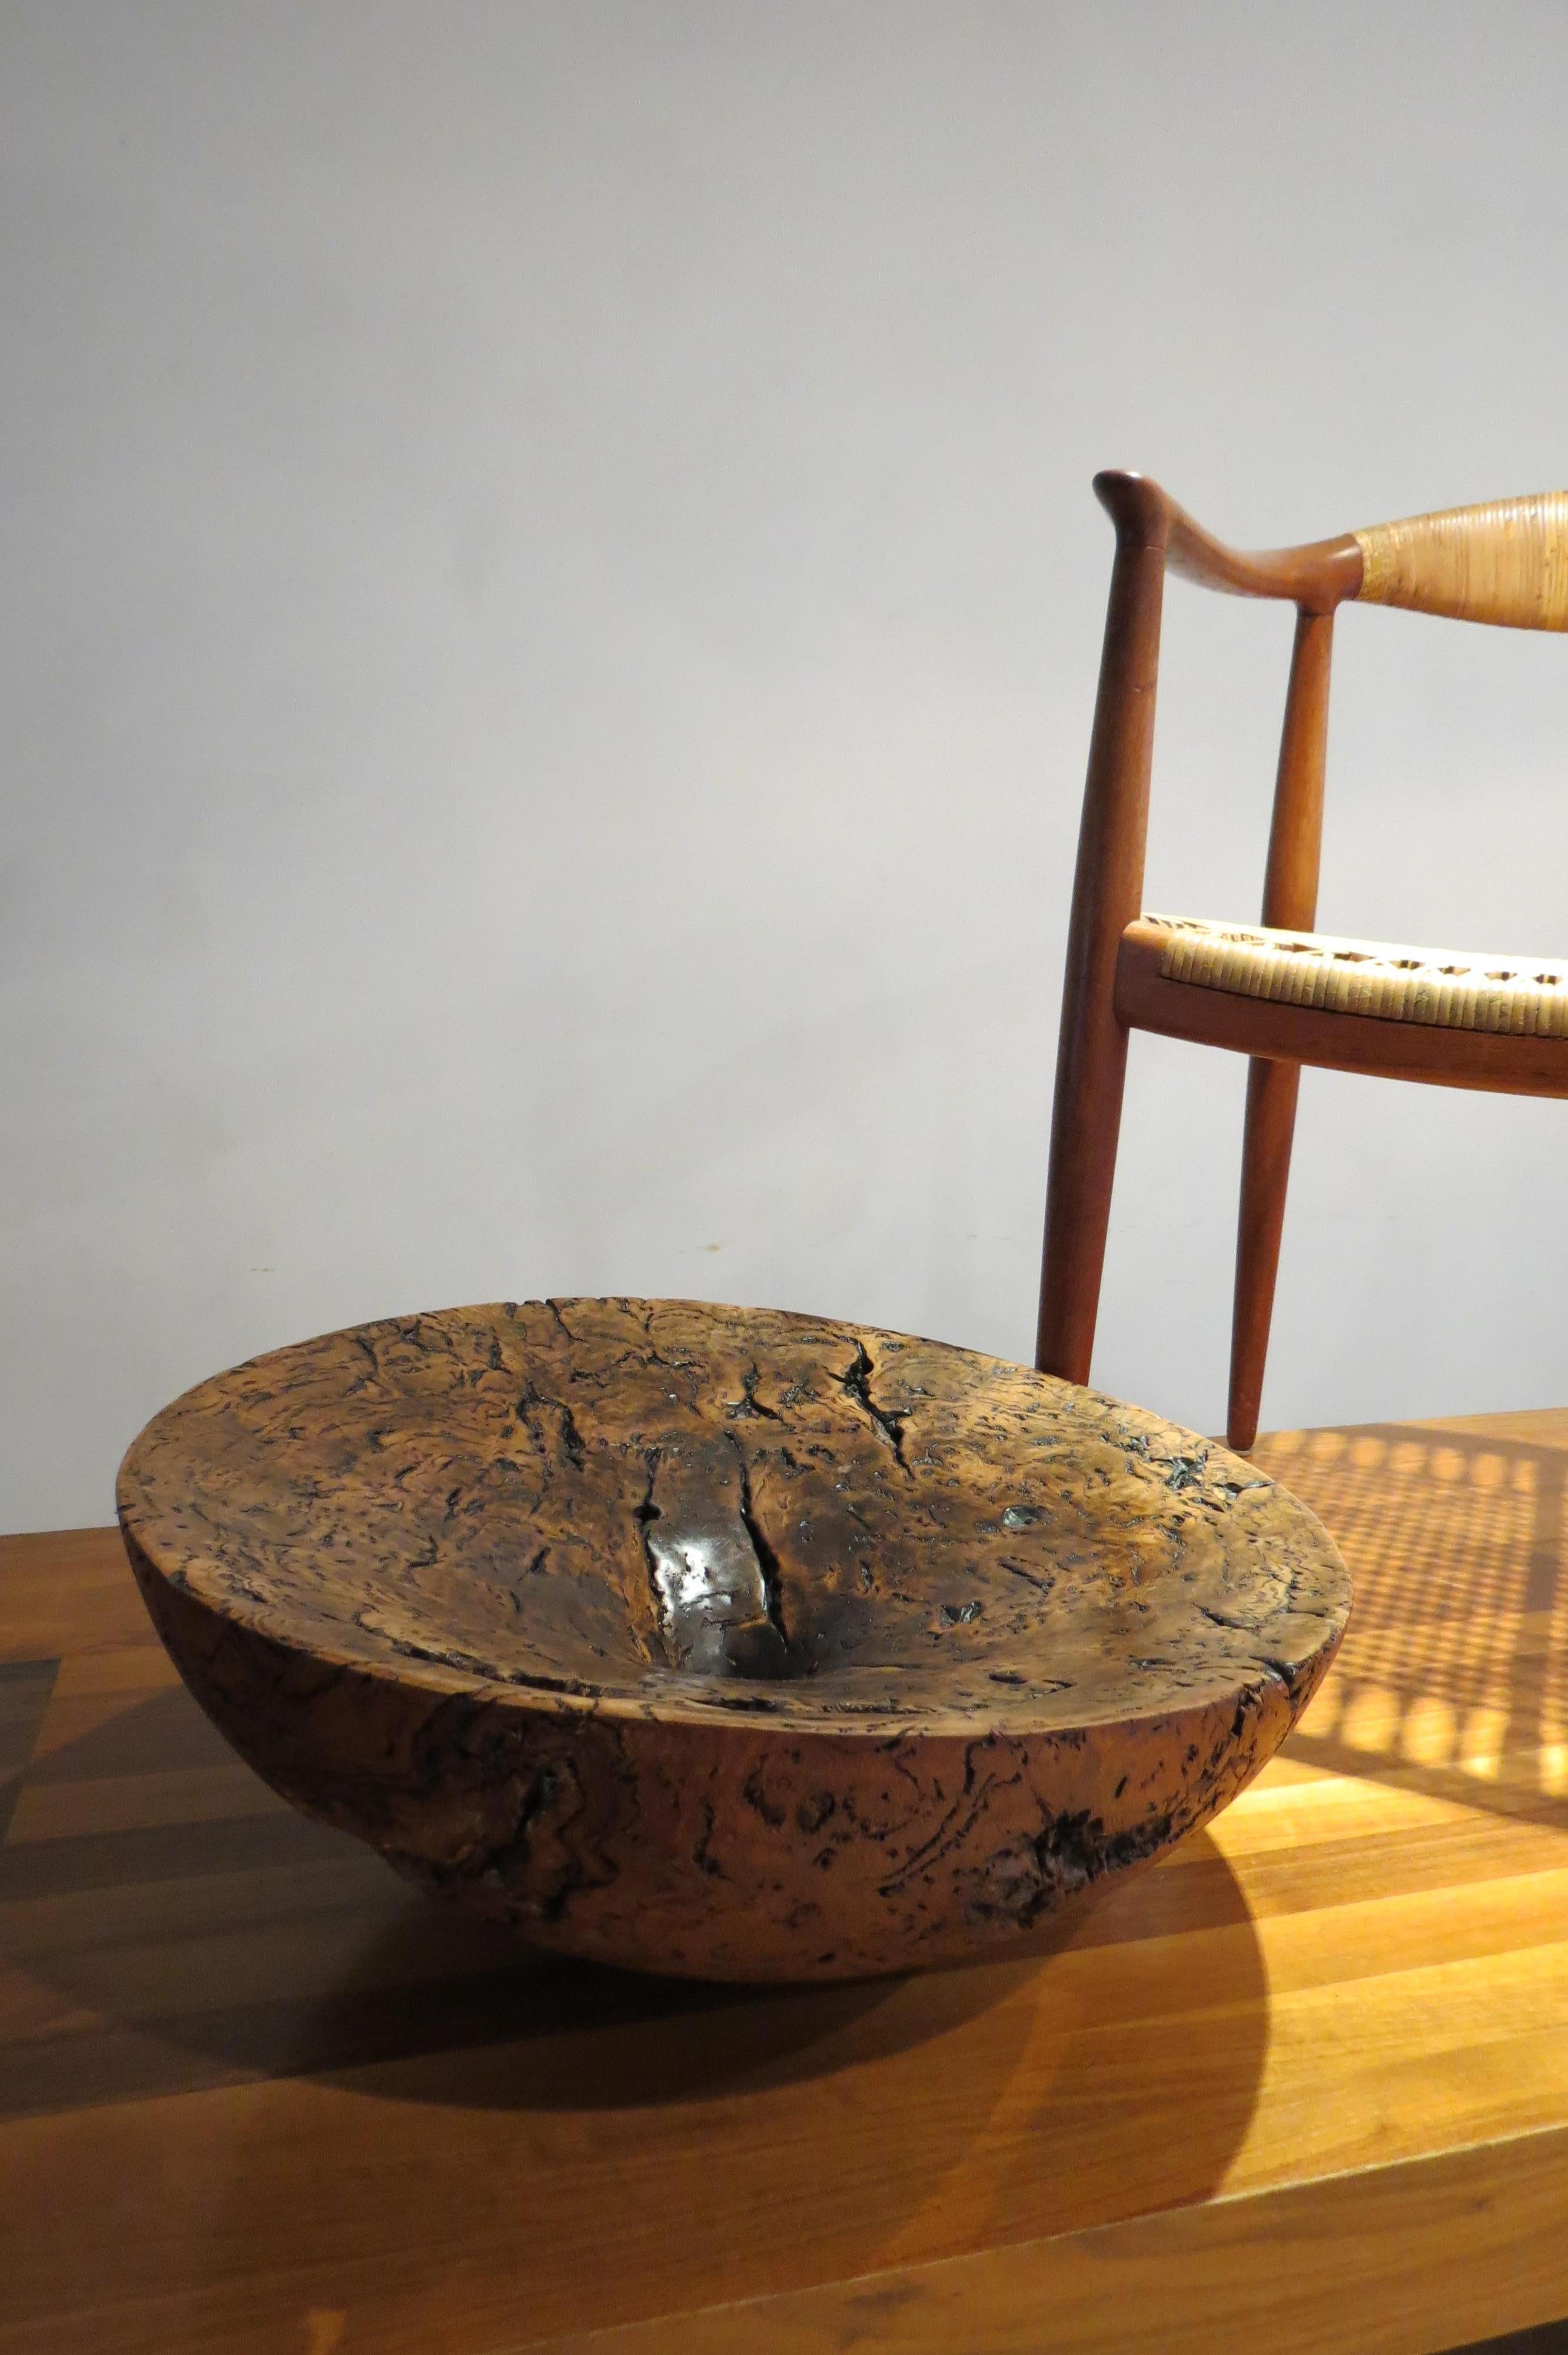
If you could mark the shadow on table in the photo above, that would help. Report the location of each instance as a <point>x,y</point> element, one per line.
<point>393,2098</point>
<point>1453,1677</point>
<point>257,1945</point>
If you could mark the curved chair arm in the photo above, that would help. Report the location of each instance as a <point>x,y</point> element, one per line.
<point>1316,577</point>
<point>1505,562</point>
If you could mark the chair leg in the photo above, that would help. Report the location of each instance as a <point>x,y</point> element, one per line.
<point>1107,888</point>
<point>1084,1133</point>
<point>1271,1094</point>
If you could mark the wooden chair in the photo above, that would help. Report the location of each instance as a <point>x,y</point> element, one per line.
<point>1277,992</point>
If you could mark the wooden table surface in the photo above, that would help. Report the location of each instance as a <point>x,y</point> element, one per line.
<point>1304,2087</point>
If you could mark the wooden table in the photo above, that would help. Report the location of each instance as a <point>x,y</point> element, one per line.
<point>1305,2086</point>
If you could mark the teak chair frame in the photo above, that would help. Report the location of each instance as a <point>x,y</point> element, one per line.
<point>1505,563</point>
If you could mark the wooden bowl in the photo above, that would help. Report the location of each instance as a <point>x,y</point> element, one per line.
<point>719,1641</point>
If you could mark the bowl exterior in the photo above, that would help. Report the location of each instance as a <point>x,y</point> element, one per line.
<point>726,1849</point>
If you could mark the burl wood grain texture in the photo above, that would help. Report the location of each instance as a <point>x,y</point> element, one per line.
<point>724,1642</point>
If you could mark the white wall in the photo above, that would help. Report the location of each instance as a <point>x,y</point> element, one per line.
<point>551,602</point>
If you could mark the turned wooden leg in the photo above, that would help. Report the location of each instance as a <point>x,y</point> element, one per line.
<point>1077,1211</point>
<point>1289,900</point>
<point>1271,1093</point>
<point>1084,1133</point>
<point>1091,1062</point>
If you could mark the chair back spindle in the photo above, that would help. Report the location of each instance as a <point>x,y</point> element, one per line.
<point>1296,834</point>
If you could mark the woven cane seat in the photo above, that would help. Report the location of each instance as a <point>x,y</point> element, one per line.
<point>1445,989</point>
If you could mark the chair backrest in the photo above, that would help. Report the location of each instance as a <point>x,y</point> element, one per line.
<point>1506,562</point>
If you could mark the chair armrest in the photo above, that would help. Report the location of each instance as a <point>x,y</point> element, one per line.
<point>1316,576</point>
<point>1506,562</point>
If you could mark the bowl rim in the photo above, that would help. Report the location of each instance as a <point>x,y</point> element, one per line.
<point>759,1709</point>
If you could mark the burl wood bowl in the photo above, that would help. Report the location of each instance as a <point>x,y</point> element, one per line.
<point>716,1641</point>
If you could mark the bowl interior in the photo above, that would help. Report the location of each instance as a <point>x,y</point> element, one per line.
<point>676,1505</point>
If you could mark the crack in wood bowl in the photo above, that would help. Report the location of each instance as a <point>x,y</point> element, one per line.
<point>721,1641</point>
